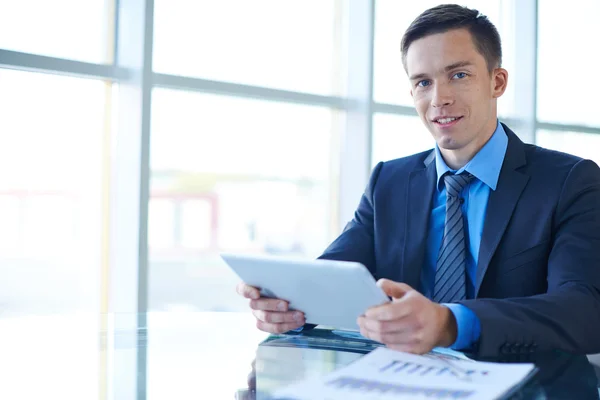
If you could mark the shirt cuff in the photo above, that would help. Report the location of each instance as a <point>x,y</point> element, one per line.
<point>468,326</point>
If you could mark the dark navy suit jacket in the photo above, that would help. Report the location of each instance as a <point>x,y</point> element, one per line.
<point>538,275</point>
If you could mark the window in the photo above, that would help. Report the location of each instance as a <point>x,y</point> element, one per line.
<point>51,156</point>
<point>232,174</point>
<point>396,136</point>
<point>73,29</point>
<point>583,145</point>
<point>278,44</point>
<point>50,189</point>
<point>567,59</point>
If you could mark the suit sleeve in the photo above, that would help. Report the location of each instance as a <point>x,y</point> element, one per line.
<point>567,316</point>
<point>357,242</point>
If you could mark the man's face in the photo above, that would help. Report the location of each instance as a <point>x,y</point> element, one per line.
<point>453,91</point>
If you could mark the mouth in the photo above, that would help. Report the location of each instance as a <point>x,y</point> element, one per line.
<point>444,122</point>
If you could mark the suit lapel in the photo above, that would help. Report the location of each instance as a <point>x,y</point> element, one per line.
<point>501,203</point>
<point>418,210</point>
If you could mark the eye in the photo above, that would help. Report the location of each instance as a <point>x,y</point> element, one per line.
<point>424,83</point>
<point>460,75</point>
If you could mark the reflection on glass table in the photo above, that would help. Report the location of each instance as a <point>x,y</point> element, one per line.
<point>200,356</point>
<point>285,359</point>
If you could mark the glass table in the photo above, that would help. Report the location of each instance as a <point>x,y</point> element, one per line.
<point>196,355</point>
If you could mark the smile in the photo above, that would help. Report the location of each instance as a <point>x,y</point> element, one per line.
<point>446,121</point>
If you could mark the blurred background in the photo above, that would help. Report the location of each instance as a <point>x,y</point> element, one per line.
<point>139,139</point>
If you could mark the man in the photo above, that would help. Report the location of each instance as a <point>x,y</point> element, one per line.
<point>486,244</point>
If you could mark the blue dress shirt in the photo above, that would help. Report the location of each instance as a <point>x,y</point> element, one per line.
<point>485,166</point>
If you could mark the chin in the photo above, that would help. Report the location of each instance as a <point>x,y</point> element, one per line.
<point>447,143</point>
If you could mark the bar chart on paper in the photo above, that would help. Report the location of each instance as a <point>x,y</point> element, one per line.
<point>386,374</point>
<point>457,371</point>
<point>374,388</point>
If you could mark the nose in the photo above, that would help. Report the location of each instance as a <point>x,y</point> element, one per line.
<point>441,96</point>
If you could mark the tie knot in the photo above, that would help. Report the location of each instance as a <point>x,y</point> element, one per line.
<point>456,183</point>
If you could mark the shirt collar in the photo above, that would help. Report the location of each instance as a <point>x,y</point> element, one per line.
<point>485,165</point>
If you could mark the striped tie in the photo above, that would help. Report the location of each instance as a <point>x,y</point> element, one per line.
<point>450,275</point>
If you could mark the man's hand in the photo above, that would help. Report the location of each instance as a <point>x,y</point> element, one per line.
<point>272,315</point>
<point>410,323</point>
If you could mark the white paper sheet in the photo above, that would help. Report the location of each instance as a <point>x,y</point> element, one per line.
<point>387,374</point>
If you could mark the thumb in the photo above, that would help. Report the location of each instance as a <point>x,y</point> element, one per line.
<point>394,289</point>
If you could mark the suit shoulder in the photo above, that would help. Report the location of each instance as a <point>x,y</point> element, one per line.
<point>555,170</point>
<point>394,172</point>
<point>406,163</point>
<point>551,160</point>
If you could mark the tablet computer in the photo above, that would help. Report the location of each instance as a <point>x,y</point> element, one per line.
<point>331,293</point>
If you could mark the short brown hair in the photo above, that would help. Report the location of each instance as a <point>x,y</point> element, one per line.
<point>447,17</point>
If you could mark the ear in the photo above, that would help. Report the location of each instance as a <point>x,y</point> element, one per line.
<point>499,82</point>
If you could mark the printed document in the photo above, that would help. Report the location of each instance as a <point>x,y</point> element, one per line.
<point>387,374</point>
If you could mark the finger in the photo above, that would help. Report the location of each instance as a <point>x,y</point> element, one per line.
<point>375,325</point>
<point>360,321</point>
<point>410,348</point>
<point>277,328</point>
<point>249,292</point>
<point>392,338</point>
<point>269,304</point>
<point>389,311</point>
<point>279,317</point>
<point>364,333</point>
<point>394,289</point>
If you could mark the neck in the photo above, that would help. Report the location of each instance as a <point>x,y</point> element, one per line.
<point>458,158</point>
<point>454,160</point>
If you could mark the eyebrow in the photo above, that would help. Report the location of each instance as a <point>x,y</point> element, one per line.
<point>447,68</point>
